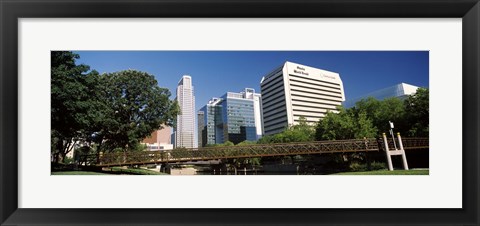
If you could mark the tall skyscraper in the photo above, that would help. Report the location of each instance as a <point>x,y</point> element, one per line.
<point>234,117</point>
<point>293,91</point>
<point>185,127</point>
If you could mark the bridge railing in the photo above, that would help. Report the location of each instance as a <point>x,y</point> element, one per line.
<point>408,143</point>
<point>252,151</point>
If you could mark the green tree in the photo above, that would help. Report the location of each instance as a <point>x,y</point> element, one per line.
<point>301,132</point>
<point>346,124</point>
<point>118,109</point>
<point>381,112</point>
<point>417,108</point>
<point>391,109</point>
<point>246,143</point>
<point>370,116</point>
<point>247,161</point>
<point>136,106</point>
<point>365,127</point>
<point>227,143</point>
<point>72,100</point>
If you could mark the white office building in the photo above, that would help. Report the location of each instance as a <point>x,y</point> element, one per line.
<point>185,127</point>
<point>402,91</point>
<point>257,109</point>
<point>293,91</point>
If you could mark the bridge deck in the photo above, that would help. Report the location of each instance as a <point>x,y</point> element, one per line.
<point>252,151</point>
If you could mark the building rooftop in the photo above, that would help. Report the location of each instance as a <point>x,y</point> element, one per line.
<point>401,90</point>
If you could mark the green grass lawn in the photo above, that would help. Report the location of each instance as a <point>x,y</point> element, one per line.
<point>111,171</point>
<point>387,172</point>
<point>77,173</point>
<point>134,171</point>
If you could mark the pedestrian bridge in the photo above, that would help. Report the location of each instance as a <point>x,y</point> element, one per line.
<point>247,151</point>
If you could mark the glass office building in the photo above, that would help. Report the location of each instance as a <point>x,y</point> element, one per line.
<point>234,117</point>
<point>402,91</point>
<point>212,130</point>
<point>201,126</point>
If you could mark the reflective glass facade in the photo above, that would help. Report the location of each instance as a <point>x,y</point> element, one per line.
<point>238,118</point>
<point>402,91</point>
<point>231,118</point>
<point>212,119</point>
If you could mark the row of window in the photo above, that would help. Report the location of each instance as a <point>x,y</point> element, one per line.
<point>314,87</point>
<point>327,84</point>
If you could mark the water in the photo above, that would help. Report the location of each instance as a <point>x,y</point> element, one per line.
<point>240,173</point>
<point>262,170</point>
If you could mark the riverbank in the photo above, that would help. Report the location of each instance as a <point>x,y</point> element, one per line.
<point>110,171</point>
<point>387,172</point>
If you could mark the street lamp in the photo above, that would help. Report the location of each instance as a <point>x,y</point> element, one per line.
<point>391,133</point>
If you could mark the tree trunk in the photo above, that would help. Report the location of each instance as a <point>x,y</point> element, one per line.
<point>61,157</point>
<point>55,157</point>
<point>59,147</point>
<point>99,149</point>
<point>125,153</point>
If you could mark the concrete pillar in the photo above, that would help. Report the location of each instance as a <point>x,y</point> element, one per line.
<point>387,153</point>
<point>404,156</point>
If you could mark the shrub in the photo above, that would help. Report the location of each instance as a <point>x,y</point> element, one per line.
<point>356,167</point>
<point>68,160</point>
<point>378,166</point>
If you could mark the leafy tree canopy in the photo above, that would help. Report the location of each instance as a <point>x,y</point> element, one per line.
<point>417,107</point>
<point>301,132</point>
<point>113,110</point>
<point>72,87</point>
<point>370,116</point>
<point>136,107</point>
<point>346,124</point>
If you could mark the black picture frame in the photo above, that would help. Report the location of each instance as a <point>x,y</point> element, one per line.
<point>11,11</point>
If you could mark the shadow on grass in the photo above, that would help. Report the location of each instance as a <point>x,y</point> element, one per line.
<point>63,169</point>
<point>387,172</point>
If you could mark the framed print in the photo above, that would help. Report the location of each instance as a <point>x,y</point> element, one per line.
<point>440,36</point>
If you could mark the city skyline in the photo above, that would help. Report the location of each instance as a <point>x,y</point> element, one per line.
<point>297,106</point>
<point>216,72</point>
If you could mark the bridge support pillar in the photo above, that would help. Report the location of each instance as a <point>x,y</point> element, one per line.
<point>404,157</point>
<point>165,168</point>
<point>387,153</point>
<point>400,151</point>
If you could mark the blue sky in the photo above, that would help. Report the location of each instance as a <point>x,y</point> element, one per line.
<point>216,72</point>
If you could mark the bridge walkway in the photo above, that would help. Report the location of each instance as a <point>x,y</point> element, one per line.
<point>250,151</point>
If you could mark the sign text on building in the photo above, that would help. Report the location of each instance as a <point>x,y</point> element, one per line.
<point>300,70</point>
